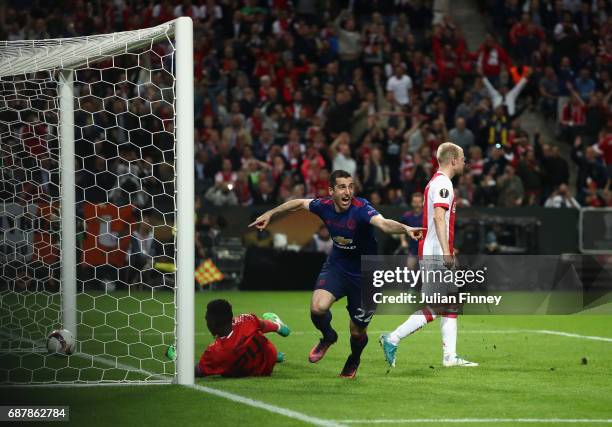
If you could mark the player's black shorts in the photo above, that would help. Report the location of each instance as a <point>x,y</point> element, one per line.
<point>340,284</point>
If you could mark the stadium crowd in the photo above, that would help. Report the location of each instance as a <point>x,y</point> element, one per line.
<point>287,91</point>
<point>567,46</point>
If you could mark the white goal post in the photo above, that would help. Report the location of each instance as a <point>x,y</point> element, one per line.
<point>115,330</point>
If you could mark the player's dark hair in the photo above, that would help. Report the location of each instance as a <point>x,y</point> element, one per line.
<point>218,316</point>
<point>338,173</point>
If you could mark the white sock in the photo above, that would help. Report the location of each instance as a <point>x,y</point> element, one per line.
<point>414,323</point>
<point>448,327</point>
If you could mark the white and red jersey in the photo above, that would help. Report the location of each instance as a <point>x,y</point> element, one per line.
<point>438,193</point>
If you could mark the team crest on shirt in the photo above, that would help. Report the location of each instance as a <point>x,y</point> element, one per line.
<point>351,224</point>
<point>343,242</point>
<point>444,193</point>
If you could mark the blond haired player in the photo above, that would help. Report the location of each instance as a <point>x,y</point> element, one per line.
<point>436,252</point>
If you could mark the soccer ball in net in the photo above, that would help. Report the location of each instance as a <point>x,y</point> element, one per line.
<point>60,341</point>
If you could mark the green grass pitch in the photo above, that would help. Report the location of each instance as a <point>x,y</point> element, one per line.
<point>524,373</point>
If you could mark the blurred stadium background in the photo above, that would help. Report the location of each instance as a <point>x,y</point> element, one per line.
<point>288,91</point>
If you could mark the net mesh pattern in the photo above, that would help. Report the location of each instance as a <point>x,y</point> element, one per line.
<point>124,118</point>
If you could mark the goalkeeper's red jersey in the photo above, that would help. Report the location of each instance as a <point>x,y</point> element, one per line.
<point>244,352</point>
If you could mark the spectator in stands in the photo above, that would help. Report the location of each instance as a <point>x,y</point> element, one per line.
<point>467,107</point>
<point>593,198</point>
<point>221,194</point>
<point>596,117</point>
<point>341,154</point>
<point>510,187</point>
<point>349,43</point>
<point>264,193</point>
<point>201,164</point>
<point>468,192</point>
<point>413,175</point>
<point>528,170</point>
<point>549,93</point>
<point>561,198</point>
<point>604,148</point>
<point>412,218</point>
<point>242,189</point>
<point>39,30</point>
<point>375,172</point>
<point>226,174</point>
<point>143,247</point>
<point>498,126</point>
<point>461,136</point>
<point>495,162</point>
<point>400,85</point>
<point>505,97</point>
<point>476,162</point>
<point>573,117</point>
<point>607,194</point>
<point>590,168</point>
<point>491,57</point>
<point>489,190</point>
<point>554,169</point>
<point>566,28</point>
<point>418,135</point>
<point>321,241</point>
<point>566,77</point>
<point>584,85</point>
<point>525,37</point>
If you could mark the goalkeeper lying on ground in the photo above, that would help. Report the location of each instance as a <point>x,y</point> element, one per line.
<point>240,348</point>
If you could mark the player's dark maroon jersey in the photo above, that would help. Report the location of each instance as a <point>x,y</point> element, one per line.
<point>350,230</point>
<point>244,352</point>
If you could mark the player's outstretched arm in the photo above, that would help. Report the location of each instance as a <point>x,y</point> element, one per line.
<point>270,322</point>
<point>292,205</point>
<point>390,226</point>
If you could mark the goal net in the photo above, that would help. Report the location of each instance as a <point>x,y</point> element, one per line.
<point>96,206</point>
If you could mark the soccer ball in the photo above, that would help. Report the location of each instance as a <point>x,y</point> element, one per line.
<point>60,341</point>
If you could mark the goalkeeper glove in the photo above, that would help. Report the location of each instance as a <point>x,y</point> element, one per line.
<point>283,330</point>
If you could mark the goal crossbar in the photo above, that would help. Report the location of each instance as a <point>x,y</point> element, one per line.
<point>29,56</point>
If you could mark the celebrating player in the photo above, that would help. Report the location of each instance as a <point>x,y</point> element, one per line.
<point>436,252</point>
<point>349,221</point>
<point>240,348</point>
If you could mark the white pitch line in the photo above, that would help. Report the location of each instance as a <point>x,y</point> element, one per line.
<point>567,334</point>
<point>224,394</point>
<point>475,332</point>
<point>91,357</point>
<point>87,384</point>
<point>424,331</point>
<point>427,331</point>
<point>267,407</point>
<point>480,420</point>
<point>315,332</point>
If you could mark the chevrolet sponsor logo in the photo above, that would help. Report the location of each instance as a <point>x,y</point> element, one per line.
<point>343,241</point>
